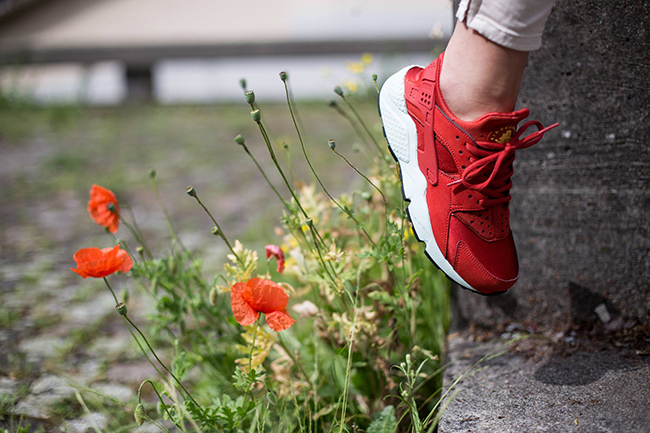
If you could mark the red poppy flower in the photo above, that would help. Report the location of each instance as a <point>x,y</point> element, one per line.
<point>96,263</point>
<point>276,251</point>
<point>257,296</point>
<point>100,198</point>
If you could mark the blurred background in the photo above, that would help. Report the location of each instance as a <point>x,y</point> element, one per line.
<point>107,52</point>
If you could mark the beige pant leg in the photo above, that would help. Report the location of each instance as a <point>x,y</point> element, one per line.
<point>516,24</point>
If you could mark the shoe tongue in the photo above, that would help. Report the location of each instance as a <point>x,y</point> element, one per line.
<point>495,127</point>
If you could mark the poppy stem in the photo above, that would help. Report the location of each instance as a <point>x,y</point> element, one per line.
<point>277,165</point>
<point>153,385</point>
<point>316,236</point>
<point>354,125</point>
<point>123,242</point>
<point>221,233</point>
<point>144,352</point>
<point>363,125</point>
<point>311,167</point>
<point>137,237</point>
<point>371,184</point>
<point>286,205</point>
<point>153,352</point>
<point>250,356</point>
<point>132,334</point>
<point>111,289</point>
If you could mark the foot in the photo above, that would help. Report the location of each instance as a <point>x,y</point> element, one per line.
<point>456,175</point>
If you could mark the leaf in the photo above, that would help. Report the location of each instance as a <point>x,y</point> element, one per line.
<point>384,421</point>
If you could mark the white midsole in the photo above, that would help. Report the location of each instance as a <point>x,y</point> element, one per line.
<point>402,137</point>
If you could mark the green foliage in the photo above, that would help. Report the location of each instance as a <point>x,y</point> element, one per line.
<point>362,292</point>
<point>384,422</point>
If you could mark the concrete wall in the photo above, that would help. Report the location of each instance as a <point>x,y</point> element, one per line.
<point>581,197</point>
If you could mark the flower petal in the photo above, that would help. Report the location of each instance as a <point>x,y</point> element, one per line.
<point>265,296</point>
<point>93,262</point>
<point>127,262</point>
<point>100,197</point>
<point>276,251</point>
<point>279,320</point>
<point>244,314</point>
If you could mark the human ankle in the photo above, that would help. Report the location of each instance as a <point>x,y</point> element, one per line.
<point>468,101</point>
<point>479,76</point>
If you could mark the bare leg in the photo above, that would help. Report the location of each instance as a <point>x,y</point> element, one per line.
<point>479,76</point>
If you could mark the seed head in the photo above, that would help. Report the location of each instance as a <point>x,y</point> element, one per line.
<point>139,414</point>
<point>239,140</point>
<point>215,231</point>
<point>374,77</point>
<point>250,97</point>
<point>111,207</point>
<point>283,76</point>
<point>121,308</point>
<point>366,195</point>
<point>332,103</point>
<point>242,83</point>
<point>331,143</point>
<point>256,115</point>
<point>213,296</point>
<point>190,191</point>
<point>140,250</point>
<point>338,90</point>
<point>152,173</point>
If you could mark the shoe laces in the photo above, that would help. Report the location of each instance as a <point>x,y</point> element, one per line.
<point>493,161</point>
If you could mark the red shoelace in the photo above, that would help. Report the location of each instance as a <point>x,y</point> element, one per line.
<point>493,161</point>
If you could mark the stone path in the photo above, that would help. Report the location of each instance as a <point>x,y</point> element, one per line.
<point>535,386</point>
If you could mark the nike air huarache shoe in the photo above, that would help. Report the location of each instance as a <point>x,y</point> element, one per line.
<point>456,175</point>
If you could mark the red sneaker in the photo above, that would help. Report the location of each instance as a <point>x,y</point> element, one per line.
<point>456,175</point>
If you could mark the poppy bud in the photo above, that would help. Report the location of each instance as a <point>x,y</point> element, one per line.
<point>283,76</point>
<point>374,77</point>
<point>215,231</point>
<point>250,97</point>
<point>332,143</point>
<point>310,222</point>
<point>256,115</point>
<point>332,103</point>
<point>152,173</point>
<point>139,414</point>
<point>338,90</point>
<point>140,250</point>
<point>213,296</point>
<point>190,191</point>
<point>242,83</point>
<point>121,308</point>
<point>356,148</point>
<point>111,207</point>
<point>366,195</point>
<point>239,140</point>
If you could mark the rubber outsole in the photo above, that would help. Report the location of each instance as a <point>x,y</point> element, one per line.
<point>426,237</point>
